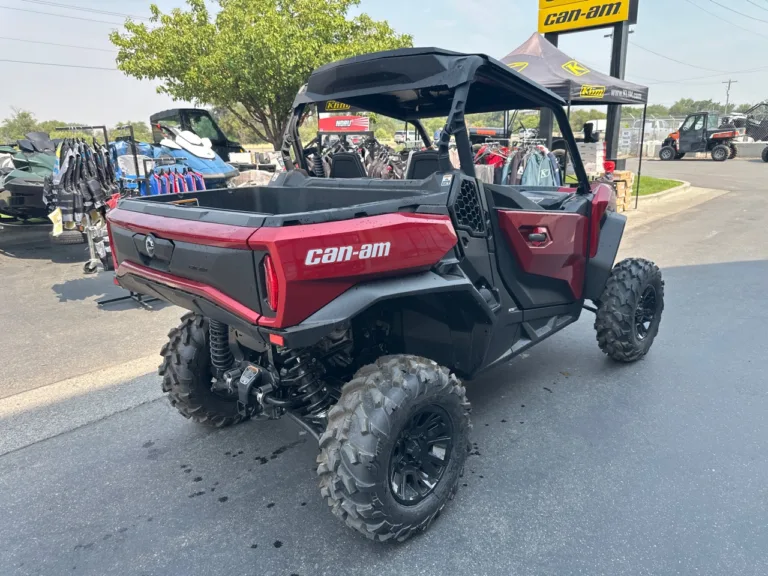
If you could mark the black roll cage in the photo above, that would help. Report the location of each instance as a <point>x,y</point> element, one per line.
<point>446,90</point>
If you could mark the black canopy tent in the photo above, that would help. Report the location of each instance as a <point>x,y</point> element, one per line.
<point>577,84</point>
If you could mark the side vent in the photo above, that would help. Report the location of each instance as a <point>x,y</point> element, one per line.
<point>468,210</point>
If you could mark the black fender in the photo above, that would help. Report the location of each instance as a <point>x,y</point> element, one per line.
<point>599,268</point>
<point>361,297</point>
<point>670,142</point>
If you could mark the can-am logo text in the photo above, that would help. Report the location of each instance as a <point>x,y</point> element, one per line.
<point>346,253</point>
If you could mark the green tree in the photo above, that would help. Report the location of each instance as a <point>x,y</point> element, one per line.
<point>742,108</point>
<point>17,125</point>
<point>252,57</point>
<point>141,131</point>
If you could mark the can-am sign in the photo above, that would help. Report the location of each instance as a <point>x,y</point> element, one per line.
<point>353,124</point>
<point>570,15</point>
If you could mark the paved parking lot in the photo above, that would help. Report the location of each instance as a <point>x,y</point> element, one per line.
<point>581,466</point>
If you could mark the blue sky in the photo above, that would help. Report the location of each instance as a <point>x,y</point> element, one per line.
<point>679,29</point>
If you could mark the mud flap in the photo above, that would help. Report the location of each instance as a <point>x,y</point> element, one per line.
<point>599,267</point>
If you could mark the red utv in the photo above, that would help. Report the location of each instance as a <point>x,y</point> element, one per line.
<point>701,132</point>
<point>357,307</point>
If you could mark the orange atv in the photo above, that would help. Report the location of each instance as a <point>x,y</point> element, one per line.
<point>701,132</point>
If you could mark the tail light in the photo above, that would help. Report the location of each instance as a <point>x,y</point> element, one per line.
<point>112,248</point>
<point>270,277</point>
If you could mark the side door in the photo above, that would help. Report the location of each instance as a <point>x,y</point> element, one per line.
<point>541,253</point>
<point>693,134</point>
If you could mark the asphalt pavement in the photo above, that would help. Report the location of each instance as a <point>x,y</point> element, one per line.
<point>739,174</point>
<point>581,466</point>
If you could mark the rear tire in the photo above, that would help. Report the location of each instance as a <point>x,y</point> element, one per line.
<point>764,155</point>
<point>720,153</point>
<point>375,434</point>
<point>734,152</point>
<point>629,314</point>
<point>186,372</point>
<point>667,153</point>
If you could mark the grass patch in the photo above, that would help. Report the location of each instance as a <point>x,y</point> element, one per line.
<point>651,185</point>
<point>648,184</point>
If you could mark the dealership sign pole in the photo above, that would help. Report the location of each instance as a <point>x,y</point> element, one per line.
<point>565,16</point>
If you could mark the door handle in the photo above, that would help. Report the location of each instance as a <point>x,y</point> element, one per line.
<point>537,237</point>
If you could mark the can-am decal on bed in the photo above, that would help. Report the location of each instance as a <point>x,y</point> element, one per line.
<point>346,253</point>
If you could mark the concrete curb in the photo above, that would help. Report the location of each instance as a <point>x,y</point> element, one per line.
<point>684,187</point>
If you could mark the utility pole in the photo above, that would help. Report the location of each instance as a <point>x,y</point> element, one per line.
<point>728,93</point>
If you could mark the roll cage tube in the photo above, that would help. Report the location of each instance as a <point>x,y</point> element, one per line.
<point>573,151</point>
<point>456,127</point>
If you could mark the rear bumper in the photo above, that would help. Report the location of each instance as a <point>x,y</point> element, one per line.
<point>130,272</point>
<point>190,295</point>
<point>212,303</point>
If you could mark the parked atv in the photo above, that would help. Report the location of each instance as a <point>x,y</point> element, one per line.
<point>701,132</point>
<point>356,306</point>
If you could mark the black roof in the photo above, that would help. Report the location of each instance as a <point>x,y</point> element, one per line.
<point>412,83</point>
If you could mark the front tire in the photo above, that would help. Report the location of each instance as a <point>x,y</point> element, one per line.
<point>667,153</point>
<point>628,318</point>
<point>720,153</point>
<point>395,447</point>
<point>679,155</point>
<point>764,155</point>
<point>734,152</point>
<point>186,372</point>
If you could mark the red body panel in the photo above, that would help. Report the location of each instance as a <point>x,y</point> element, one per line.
<point>562,255</point>
<point>602,197</point>
<point>205,233</point>
<point>306,282</point>
<point>416,242</point>
<point>192,287</point>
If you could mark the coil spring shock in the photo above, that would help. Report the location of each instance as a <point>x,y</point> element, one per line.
<point>303,376</point>
<point>221,355</point>
<point>317,166</point>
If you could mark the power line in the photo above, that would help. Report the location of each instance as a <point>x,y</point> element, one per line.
<point>673,60</point>
<point>59,65</point>
<point>60,45</point>
<point>737,12</point>
<point>758,5</point>
<point>86,9</point>
<point>61,15</point>
<point>685,80</point>
<point>726,21</point>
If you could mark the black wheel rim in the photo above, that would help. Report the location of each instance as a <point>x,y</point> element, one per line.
<point>645,312</point>
<point>421,455</point>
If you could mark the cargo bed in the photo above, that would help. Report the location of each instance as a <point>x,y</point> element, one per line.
<point>296,199</point>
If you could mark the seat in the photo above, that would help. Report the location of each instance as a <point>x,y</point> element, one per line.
<point>347,165</point>
<point>422,165</point>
